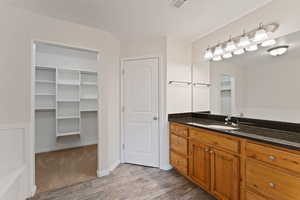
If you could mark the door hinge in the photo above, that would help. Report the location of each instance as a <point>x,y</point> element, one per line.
<point>123,71</point>
<point>123,108</point>
<point>123,146</point>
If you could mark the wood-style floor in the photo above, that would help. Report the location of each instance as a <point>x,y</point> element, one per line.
<point>131,182</point>
<point>58,169</point>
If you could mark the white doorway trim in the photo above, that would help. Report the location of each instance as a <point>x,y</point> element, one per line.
<point>31,141</point>
<point>161,104</point>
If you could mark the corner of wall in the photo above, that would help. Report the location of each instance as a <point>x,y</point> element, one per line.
<point>166,167</point>
<point>106,172</point>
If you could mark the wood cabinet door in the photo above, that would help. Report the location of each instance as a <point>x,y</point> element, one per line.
<point>253,196</point>
<point>225,176</point>
<point>199,163</point>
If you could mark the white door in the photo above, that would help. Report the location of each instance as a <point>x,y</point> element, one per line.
<point>140,112</point>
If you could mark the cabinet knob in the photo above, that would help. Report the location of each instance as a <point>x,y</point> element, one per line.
<point>206,150</point>
<point>272,158</point>
<point>211,152</point>
<point>272,185</point>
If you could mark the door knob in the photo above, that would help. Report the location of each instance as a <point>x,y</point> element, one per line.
<point>155,118</point>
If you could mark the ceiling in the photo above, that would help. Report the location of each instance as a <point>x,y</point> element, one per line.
<point>132,19</point>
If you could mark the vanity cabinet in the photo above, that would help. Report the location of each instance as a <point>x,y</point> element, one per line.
<point>253,196</point>
<point>199,163</point>
<point>207,159</point>
<point>215,170</point>
<point>179,162</point>
<point>211,164</point>
<point>273,183</point>
<point>272,172</point>
<point>283,159</point>
<point>179,148</point>
<point>225,178</point>
<point>233,168</point>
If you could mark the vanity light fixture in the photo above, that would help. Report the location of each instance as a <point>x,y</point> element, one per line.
<point>217,58</point>
<point>278,51</point>
<point>244,41</point>
<point>239,52</point>
<point>227,55</point>
<point>249,41</point>
<point>260,34</point>
<point>230,46</point>
<point>208,54</point>
<point>252,47</point>
<point>268,43</point>
<point>178,3</point>
<point>218,50</point>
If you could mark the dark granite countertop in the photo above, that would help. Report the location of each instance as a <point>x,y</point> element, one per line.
<point>282,138</point>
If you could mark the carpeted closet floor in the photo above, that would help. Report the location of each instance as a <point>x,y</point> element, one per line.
<point>58,169</point>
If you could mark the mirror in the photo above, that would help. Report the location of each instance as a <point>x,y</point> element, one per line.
<point>257,84</point>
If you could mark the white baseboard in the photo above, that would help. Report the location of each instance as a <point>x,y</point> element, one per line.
<point>33,190</point>
<point>106,172</point>
<point>114,166</point>
<point>49,149</point>
<point>101,173</point>
<point>166,167</point>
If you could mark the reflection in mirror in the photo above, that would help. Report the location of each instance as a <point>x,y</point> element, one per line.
<point>226,92</point>
<point>257,84</point>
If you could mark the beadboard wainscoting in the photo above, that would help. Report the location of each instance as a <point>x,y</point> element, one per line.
<point>15,179</point>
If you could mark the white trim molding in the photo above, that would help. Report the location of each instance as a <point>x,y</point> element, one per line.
<point>30,149</point>
<point>106,172</point>
<point>161,101</point>
<point>166,167</point>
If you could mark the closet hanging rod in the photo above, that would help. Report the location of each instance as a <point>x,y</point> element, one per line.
<point>181,82</point>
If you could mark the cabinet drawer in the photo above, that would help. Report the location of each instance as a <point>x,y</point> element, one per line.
<point>179,130</point>
<point>271,182</point>
<point>179,162</point>
<point>179,144</point>
<point>211,138</point>
<point>253,196</point>
<point>273,156</point>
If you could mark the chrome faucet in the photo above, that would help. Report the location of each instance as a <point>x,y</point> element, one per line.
<point>228,120</point>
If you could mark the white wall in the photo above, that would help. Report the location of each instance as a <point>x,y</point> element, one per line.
<point>285,13</point>
<point>179,68</point>
<point>64,57</point>
<point>19,29</point>
<point>45,128</point>
<point>181,97</point>
<point>144,47</point>
<point>201,93</point>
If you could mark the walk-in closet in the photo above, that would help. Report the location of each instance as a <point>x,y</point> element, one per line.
<point>66,115</point>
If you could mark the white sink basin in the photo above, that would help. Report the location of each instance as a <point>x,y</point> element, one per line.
<point>221,127</point>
